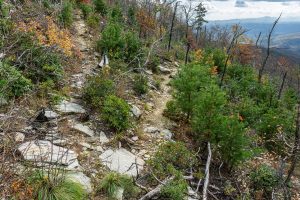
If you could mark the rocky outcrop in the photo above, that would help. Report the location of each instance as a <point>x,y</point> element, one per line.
<point>122,161</point>
<point>43,152</point>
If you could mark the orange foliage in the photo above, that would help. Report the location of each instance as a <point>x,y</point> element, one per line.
<point>49,34</point>
<point>214,70</point>
<point>146,21</point>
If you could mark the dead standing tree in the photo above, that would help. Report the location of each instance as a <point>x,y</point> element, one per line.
<point>189,14</point>
<point>261,70</point>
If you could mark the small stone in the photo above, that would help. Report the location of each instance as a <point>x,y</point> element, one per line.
<point>136,111</point>
<point>151,129</point>
<point>103,138</point>
<point>100,149</point>
<point>19,137</point>
<point>135,138</point>
<point>167,134</point>
<point>50,114</point>
<point>164,70</point>
<point>147,156</point>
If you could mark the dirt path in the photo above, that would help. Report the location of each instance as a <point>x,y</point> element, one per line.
<point>156,118</point>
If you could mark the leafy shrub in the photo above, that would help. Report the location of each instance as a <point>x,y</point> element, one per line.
<point>172,111</point>
<point>116,112</point>
<point>140,84</point>
<point>187,84</point>
<point>100,7</point>
<point>55,188</point>
<point>66,14</point>
<point>111,40</point>
<point>40,63</point>
<point>86,10</point>
<point>96,89</point>
<point>272,125</point>
<point>170,157</point>
<point>233,143</point>
<point>93,20</point>
<point>116,14</point>
<point>208,113</point>
<point>12,82</point>
<point>175,190</point>
<point>132,46</point>
<point>4,10</point>
<point>114,181</point>
<point>264,178</point>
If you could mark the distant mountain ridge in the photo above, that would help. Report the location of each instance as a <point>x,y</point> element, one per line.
<point>285,39</point>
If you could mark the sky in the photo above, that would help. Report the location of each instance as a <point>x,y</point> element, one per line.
<point>245,9</point>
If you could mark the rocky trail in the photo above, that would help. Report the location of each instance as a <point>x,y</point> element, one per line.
<point>69,138</point>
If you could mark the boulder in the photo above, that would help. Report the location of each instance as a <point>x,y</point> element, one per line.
<point>167,134</point>
<point>84,129</point>
<point>44,152</point>
<point>82,179</point>
<point>69,108</point>
<point>122,161</point>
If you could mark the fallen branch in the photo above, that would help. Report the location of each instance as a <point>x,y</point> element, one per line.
<point>156,190</point>
<point>206,181</point>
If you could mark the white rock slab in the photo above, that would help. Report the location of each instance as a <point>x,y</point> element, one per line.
<point>136,111</point>
<point>50,114</point>
<point>164,69</point>
<point>41,151</point>
<point>122,161</point>
<point>69,107</point>
<point>82,179</point>
<point>103,138</point>
<point>151,129</point>
<point>84,129</point>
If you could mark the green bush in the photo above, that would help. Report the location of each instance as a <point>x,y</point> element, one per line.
<point>100,7</point>
<point>233,144</point>
<point>171,157</point>
<point>66,14</point>
<point>132,46</point>
<point>140,84</point>
<point>208,113</point>
<point>86,10</point>
<point>12,82</point>
<point>172,111</point>
<point>114,181</point>
<point>55,188</point>
<point>264,178</point>
<point>116,112</point>
<point>175,190</point>
<point>4,10</point>
<point>116,14</point>
<point>96,89</point>
<point>187,84</point>
<point>274,123</point>
<point>40,63</point>
<point>112,40</point>
<point>93,21</point>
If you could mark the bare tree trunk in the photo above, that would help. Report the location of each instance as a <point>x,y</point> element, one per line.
<point>187,53</point>
<point>295,149</point>
<point>282,85</point>
<point>206,181</point>
<point>172,26</point>
<point>261,71</point>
